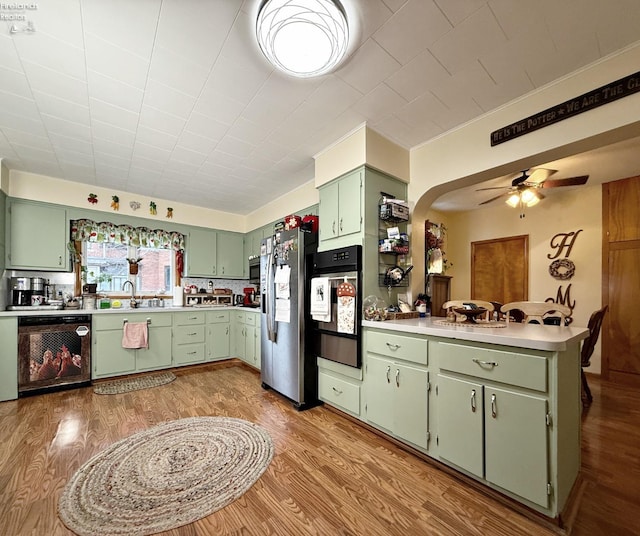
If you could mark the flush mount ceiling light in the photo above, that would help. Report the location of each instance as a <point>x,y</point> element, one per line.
<point>303,37</point>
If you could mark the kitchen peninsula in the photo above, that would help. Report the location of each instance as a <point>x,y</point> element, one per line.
<point>500,405</point>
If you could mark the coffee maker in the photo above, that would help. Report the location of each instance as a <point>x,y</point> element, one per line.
<point>20,291</point>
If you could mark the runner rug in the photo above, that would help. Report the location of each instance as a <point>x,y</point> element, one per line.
<point>126,385</point>
<point>165,477</point>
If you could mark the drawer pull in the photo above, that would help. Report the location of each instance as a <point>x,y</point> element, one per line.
<point>388,371</point>
<point>485,363</point>
<point>494,406</point>
<point>337,391</point>
<point>192,353</point>
<point>193,318</point>
<point>393,346</point>
<point>397,377</point>
<point>191,334</point>
<point>473,400</point>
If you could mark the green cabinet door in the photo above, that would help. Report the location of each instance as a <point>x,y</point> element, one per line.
<point>411,404</point>
<point>3,220</point>
<point>250,354</point>
<point>328,212</point>
<point>158,355</point>
<point>380,391</point>
<point>460,427</point>
<point>37,237</point>
<point>219,341</point>
<point>229,255</point>
<point>516,450</point>
<point>201,253</point>
<point>109,357</point>
<point>239,331</point>
<point>9,359</point>
<point>349,204</point>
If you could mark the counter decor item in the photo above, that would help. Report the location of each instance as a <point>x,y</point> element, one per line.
<point>374,308</point>
<point>153,209</point>
<point>346,293</point>
<point>115,202</point>
<point>169,212</point>
<point>93,199</point>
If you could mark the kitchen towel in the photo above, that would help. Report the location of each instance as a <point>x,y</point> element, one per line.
<point>135,335</point>
<point>320,299</point>
<point>346,307</point>
<point>281,280</point>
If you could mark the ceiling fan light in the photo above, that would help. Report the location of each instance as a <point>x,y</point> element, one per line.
<point>303,38</point>
<point>529,197</point>
<point>513,200</point>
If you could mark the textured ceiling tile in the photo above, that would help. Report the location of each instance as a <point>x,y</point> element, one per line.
<point>419,75</point>
<point>55,125</point>
<point>368,66</point>
<point>413,28</point>
<point>458,10</point>
<point>114,92</point>
<point>19,122</point>
<point>182,154</point>
<point>160,139</point>
<point>380,102</point>
<point>177,71</point>
<point>113,133</point>
<point>110,147</point>
<point>225,110</point>
<point>24,106</point>
<point>206,127</point>
<point>59,85</point>
<point>162,121</point>
<point>115,62</point>
<point>129,25</point>
<point>470,39</point>
<point>455,89</point>
<point>60,141</point>
<point>194,142</point>
<point>9,58</point>
<point>49,52</point>
<point>14,82</point>
<point>65,109</point>
<point>168,99</point>
<point>113,115</point>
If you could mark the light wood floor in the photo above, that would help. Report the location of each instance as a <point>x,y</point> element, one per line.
<point>329,476</point>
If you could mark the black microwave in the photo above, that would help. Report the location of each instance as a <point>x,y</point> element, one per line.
<point>254,269</point>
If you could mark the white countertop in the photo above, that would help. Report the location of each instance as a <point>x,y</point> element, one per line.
<point>532,336</point>
<point>125,310</point>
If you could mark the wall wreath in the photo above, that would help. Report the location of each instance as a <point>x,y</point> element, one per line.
<point>562,269</point>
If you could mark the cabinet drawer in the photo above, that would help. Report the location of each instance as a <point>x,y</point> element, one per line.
<point>188,319</point>
<point>217,317</point>
<point>188,353</point>
<point>102,322</point>
<point>239,316</point>
<point>250,319</point>
<point>339,393</point>
<point>523,370</point>
<point>188,334</point>
<point>396,346</point>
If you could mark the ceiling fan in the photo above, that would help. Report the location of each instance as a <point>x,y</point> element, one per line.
<point>524,188</point>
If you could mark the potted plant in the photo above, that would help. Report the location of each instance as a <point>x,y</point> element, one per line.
<point>91,280</point>
<point>133,265</point>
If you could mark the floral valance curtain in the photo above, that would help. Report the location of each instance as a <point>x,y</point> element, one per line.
<point>91,231</point>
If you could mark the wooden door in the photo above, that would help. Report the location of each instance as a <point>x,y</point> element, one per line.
<point>621,280</point>
<point>500,269</point>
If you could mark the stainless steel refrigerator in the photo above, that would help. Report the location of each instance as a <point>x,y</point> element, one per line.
<point>288,362</point>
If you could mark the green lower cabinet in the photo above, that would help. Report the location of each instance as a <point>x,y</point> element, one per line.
<point>111,359</point>
<point>9,358</point>
<point>246,337</point>
<point>397,397</point>
<point>218,335</point>
<point>497,434</point>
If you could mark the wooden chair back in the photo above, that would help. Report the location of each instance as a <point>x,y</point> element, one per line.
<point>594,325</point>
<point>452,304</point>
<point>534,312</point>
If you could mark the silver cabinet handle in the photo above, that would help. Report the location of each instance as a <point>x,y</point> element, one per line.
<point>60,260</point>
<point>473,400</point>
<point>397,377</point>
<point>191,334</point>
<point>393,346</point>
<point>485,363</point>
<point>337,391</point>
<point>227,331</point>
<point>494,406</point>
<point>340,224</point>
<point>333,227</point>
<point>388,371</point>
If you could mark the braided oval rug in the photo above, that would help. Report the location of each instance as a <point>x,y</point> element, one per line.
<point>165,477</point>
<point>126,385</point>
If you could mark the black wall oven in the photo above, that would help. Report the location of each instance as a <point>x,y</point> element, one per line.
<point>339,265</point>
<point>54,352</point>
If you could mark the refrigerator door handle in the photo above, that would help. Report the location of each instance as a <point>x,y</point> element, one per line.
<point>270,304</point>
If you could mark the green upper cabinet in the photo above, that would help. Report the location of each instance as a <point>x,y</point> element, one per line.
<point>340,210</point>
<point>37,236</point>
<point>201,253</point>
<point>229,255</point>
<point>3,211</point>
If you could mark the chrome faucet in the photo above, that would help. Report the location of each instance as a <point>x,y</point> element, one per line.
<point>133,302</point>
